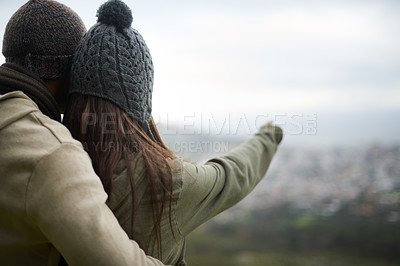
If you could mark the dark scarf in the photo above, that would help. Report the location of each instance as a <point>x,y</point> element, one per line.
<point>16,78</point>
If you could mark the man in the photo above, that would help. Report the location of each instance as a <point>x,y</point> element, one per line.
<point>52,204</point>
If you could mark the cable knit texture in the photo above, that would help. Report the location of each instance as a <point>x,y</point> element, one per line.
<point>42,36</point>
<point>113,62</point>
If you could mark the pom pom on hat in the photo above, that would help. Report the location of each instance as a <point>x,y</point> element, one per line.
<point>115,13</point>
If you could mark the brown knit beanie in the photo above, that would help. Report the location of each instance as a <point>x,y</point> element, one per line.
<point>42,36</point>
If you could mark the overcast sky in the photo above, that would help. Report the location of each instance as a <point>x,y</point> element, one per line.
<point>262,57</point>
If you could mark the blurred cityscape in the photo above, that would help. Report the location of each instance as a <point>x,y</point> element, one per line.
<point>322,180</point>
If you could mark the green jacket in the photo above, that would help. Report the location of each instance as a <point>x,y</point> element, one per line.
<point>51,200</point>
<point>200,192</point>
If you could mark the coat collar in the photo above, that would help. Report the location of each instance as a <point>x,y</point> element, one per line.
<point>16,78</point>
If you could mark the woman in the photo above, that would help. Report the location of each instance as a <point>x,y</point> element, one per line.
<point>157,197</point>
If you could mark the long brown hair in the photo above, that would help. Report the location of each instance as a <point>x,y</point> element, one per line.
<point>109,135</point>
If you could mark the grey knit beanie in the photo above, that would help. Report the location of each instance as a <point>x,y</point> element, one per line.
<point>42,36</point>
<point>113,62</point>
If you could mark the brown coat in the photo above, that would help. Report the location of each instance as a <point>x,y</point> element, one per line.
<point>51,200</point>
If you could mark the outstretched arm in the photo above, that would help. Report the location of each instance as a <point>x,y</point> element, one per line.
<point>222,182</point>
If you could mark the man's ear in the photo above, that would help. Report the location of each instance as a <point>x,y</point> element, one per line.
<point>59,89</point>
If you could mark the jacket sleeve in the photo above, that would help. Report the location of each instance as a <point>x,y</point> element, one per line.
<point>222,182</point>
<point>66,201</point>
